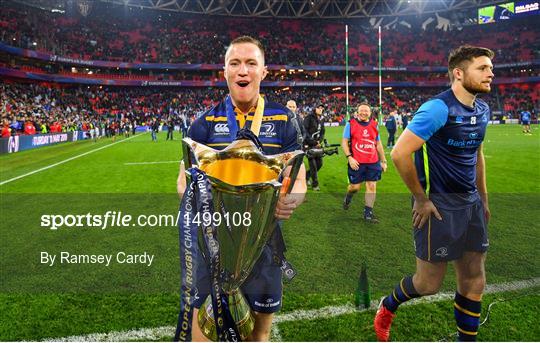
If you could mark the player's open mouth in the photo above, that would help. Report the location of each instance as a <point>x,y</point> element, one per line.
<point>243,83</point>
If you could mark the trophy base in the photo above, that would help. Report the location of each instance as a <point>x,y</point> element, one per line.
<point>240,311</point>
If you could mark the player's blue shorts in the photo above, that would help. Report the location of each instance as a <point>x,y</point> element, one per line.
<point>525,122</point>
<point>263,288</point>
<point>365,172</point>
<point>459,231</point>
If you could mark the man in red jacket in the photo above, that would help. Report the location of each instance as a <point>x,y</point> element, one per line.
<point>6,131</point>
<point>56,127</point>
<point>29,128</point>
<point>362,147</point>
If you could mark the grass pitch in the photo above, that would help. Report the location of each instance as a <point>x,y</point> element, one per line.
<point>326,244</point>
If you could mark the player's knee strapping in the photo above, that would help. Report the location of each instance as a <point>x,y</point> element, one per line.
<point>403,292</point>
<point>467,314</point>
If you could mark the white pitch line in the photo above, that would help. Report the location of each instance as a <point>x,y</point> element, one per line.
<point>334,311</point>
<point>275,334</point>
<point>157,162</point>
<point>149,334</point>
<point>62,162</point>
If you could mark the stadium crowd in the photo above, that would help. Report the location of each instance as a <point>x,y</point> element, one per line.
<point>48,106</point>
<point>123,34</point>
<point>57,109</point>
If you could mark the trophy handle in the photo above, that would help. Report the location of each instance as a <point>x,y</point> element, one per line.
<point>191,149</point>
<point>289,181</point>
<point>186,156</point>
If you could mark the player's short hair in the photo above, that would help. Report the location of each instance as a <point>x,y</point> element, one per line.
<point>463,55</point>
<point>246,39</point>
<point>364,104</point>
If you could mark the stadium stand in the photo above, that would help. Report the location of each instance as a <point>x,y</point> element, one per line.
<point>144,36</point>
<point>135,36</point>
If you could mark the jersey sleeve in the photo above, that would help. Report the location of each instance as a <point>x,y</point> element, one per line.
<point>347,131</point>
<point>291,137</point>
<point>198,131</point>
<point>429,118</point>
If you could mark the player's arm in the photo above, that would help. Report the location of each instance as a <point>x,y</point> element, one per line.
<point>345,145</point>
<point>347,151</point>
<point>401,155</point>
<point>287,203</point>
<point>380,152</point>
<point>429,118</point>
<point>181,181</point>
<point>481,180</point>
<point>198,132</point>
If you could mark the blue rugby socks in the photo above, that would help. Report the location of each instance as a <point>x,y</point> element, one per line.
<point>368,211</point>
<point>467,314</point>
<point>403,292</point>
<point>466,311</point>
<point>347,200</point>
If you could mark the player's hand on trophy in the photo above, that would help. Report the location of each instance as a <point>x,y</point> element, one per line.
<point>353,163</point>
<point>287,204</point>
<point>422,210</point>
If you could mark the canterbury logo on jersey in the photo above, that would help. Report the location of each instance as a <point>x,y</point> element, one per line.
<point>267,130</point>
<point>221,129</point>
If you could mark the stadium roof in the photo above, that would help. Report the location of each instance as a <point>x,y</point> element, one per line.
<point>296,8</point>
<point>308,8</point>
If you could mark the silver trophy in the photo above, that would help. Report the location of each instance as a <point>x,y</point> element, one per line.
<point>245,192</point>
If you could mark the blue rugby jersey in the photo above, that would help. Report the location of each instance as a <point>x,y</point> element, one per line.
<point>446,164</point>
<point>525,116</point>
<point>280,131</point>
